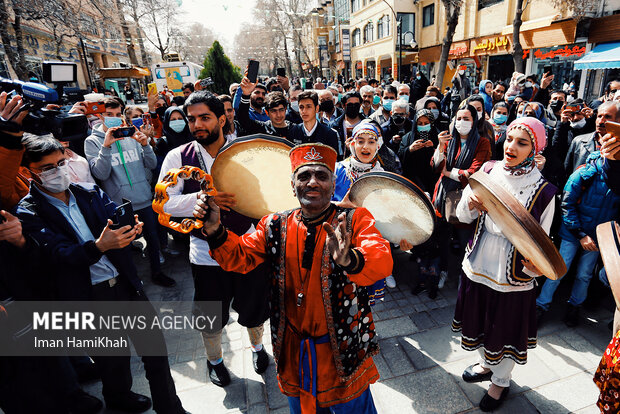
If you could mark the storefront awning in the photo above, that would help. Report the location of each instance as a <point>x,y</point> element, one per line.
<point>603,56</point>
<point>135,72</point>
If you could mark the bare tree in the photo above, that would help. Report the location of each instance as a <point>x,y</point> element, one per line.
<point>453,10</point>
<point>17,58</point>
<point>193,43</point>
<point>159,18</point>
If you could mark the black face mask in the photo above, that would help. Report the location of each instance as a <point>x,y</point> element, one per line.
<point>326,106</point>
<point>398,119</point>
<point>352,110</point>
<point>161,111</point>
<point>556,106</point>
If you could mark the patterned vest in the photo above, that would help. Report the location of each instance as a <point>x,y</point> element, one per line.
<point>536,205</point>
<point>350,324</point>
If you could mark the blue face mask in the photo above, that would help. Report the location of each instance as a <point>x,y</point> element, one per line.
<point>376,100</point>
<point>435,113</point>
<point>418,77</point>
<point>404,98</point>
<point>423,128</point>
<point>112,121</point>
<point>177,125</point>
<point>137,122</point>
<point>339,97</point>
<point>387,104</point>
<point>499,119</point>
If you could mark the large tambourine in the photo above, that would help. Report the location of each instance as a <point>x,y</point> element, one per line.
<point>518,225</point>
<point>608,236</point>
<point>257,170</point>
<point>402,211</point>
<point>161,196</point>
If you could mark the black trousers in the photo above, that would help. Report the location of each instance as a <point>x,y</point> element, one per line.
<point>248,293</point>
<point>116,371</point>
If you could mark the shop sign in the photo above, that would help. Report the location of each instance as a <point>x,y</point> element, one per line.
<point>358,65</point>
<point>491,44</point>
<point>565,51</point>
<point>346,45</point>
<point>458,49</point>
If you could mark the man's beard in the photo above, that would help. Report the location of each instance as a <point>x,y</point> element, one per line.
<point>256,104</point>
<point>211,138</point>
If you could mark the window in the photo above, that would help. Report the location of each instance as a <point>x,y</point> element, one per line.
<point>368,32</point>
<point>407,21</point>
<point>428,15</point>
<point>486,3</point>
<point>355,5</point>
<point>383,27</point>
<point>88,24</point>
<point>357,38</point>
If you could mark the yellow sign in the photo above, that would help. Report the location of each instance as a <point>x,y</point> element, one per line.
<point>491,44</point>
<point>174,81</point>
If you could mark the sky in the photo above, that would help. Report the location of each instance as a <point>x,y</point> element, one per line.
<point>224,17</point>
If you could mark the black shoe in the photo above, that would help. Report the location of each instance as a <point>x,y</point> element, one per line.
<point>129,403</point>
<point>540,313</point>
<point>218,374</point>
<point>571,319</point>
<point>163,280</point>
<point>418,289</point>
<point>80,402</point>
<point>489,403</point>
<point>260,360</point>
<point>469,375</point>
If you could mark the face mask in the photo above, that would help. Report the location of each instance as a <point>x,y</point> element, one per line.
<point>56,180</point>
<point>423,128</point>
<point>161,111</point>
<point>398,119</point>
<point>463,127</point>
<point>579,124</point>
<point>177,125</point>
<point>500,119</point>
<point>387,104</point>
<point>295,106</point>
<point>570,99</point>
<point>326,106</point>
<point>339,97</point>
<point>480,115</point>
<point>137,122</point>
<point>435,113</point>
<point>404,98</point>
<point>352,110</point>
<point>528,84</point>
<point>418,77</point>
<point>112,121</point>
<point>520,115</point>
<point>556,105</point>
<point>376,100</point>
<point>461,72</point>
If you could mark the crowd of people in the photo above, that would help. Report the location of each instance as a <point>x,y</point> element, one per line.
<point>58,242</point>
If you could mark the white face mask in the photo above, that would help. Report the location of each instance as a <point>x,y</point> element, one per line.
<point>480,115</point>
<point>295,106</point>
<point>56,180</point>
<point>463,127</point>
<point>461,72</point>
<point>579,124</point>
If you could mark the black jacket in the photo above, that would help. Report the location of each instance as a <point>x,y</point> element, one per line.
<point>251,126</point>
<point>338,126</point>
<point>68,258</point>
<point>389,129</point>
<point>322,134</point>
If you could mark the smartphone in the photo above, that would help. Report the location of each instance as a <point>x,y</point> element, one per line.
<point>124,132</point>
<point>548,69</point>
<point>123,215</point>
<point>444,124</point>
<point>252,70</point>
<point>572,108</point>
<point>613,128</point>
<point>281,72</point>
<point>146,118</point>
<point>152,88</point>
<point>94,107</point>
<point>206,82</point>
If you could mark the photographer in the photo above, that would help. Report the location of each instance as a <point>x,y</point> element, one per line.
<point>121,164</point>
<point>64,219</point>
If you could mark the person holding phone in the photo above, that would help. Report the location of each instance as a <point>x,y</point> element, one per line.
<point>121,165</point>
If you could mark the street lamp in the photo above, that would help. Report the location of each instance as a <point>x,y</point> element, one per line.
<point>413,45</point>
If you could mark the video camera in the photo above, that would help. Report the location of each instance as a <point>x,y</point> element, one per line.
<point>36,96</point>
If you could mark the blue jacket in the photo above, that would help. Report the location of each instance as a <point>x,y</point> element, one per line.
<point>68,259</point>
<point>587,201</point>
<point>256,116</point>
<point>611,175</point>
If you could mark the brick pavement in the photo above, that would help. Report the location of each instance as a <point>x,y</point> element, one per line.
<point>420,363</point>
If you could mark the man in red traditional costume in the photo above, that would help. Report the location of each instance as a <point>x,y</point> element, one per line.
<point>322,257</point>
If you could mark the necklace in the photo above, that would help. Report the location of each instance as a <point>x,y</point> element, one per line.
<point>304,278</point>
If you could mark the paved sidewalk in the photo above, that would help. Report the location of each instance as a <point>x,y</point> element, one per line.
<point>420,363</point>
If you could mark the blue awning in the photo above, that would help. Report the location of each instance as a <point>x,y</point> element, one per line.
<point>603,56</point>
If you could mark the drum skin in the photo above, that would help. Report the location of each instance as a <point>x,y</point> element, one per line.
<point>400,208</point>
<point>518,225</point>
<point>608,236</point>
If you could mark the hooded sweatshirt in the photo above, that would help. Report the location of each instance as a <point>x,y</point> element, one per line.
<point>121,177</point>
<point>488,100</point>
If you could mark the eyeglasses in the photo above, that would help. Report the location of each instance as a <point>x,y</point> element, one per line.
<point>52,167</point>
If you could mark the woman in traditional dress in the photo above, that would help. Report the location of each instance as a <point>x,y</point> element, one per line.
<point>496,304</point>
